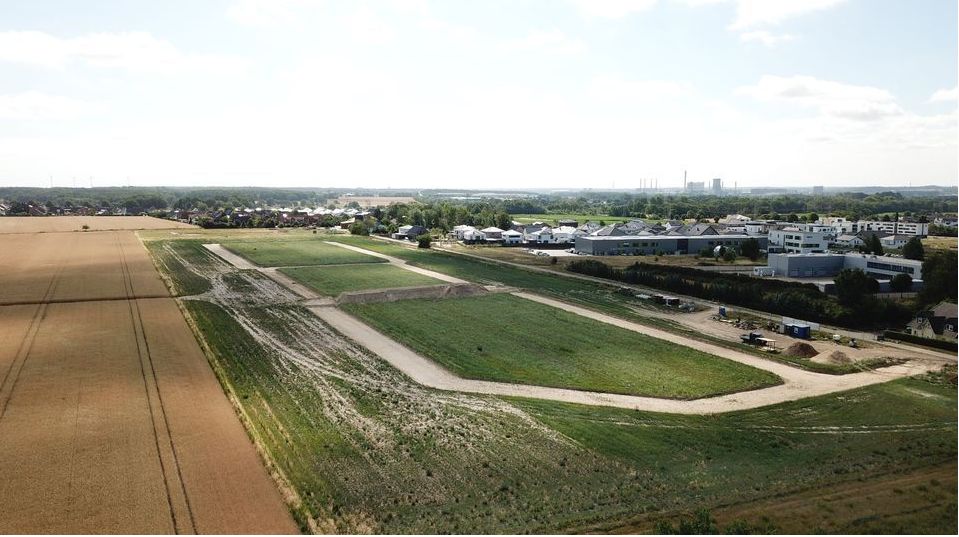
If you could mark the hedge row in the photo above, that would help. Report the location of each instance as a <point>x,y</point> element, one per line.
<point>792,299</point>
<point>919,340</point>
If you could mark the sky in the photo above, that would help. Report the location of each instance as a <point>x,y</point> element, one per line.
<point>481,95</point>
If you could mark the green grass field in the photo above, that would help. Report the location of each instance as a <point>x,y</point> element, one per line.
<point>334,280</point>
<point>286,253</point>
<point>364,450</point>
<point>553,219</point>
<point>508,339</point>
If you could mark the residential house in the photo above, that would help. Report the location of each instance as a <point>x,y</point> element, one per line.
<point>409,232</point>
<point>849,241</point>
<point>895,241</point>
<point>937,323</point>
<point>511,236</point>
<point>493,234</point>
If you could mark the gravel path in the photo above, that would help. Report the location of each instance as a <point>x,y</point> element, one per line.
<point>797,383</point>
<point>401,263</point>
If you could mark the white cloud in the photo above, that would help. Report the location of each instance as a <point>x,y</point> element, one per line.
<point>945,95</point>
<point>132,51</point>
<point>365,26</point>
<point>766,38</point>
<point>752,13</point>
<point>644,92</point>
<point>845,101</point>
<point>34,105</point>
<point>612,9</point>
<point>547,40</point>
<point>269,12</point>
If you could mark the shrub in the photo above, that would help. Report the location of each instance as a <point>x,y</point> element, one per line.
<point>423,241</point>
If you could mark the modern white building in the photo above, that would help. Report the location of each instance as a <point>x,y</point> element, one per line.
<point>796,240</point>
<point>843,226</point>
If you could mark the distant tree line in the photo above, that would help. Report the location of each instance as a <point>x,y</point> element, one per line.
<point>792,299</point>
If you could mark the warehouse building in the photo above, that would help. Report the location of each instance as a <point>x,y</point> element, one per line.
<point>828,265</point>
<point>656,244</point>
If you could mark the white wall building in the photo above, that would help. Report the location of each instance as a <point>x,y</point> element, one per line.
<point>794,240</point>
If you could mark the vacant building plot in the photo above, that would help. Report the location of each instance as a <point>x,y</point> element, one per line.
<point>334,280</point>
<point>55,224</point>
<point>111,420</point>
<point>282,253</point>
<point>366,449</point>
<point>507,339</point>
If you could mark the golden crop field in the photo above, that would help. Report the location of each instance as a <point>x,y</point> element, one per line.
<point>111,419</point>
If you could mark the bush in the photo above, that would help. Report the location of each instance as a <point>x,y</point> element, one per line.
<point>901,283</point>
<point>750,248</point>
<point>423,241</point>
<point>357,228</point>
<point>918,340</point>
<point>729,255</point>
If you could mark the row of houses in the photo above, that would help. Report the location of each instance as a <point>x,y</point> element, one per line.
<point>283,215</point>
<point>41,210</point>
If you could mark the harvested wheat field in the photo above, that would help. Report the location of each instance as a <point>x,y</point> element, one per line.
<point>111,420</point>
<point>55,224</point>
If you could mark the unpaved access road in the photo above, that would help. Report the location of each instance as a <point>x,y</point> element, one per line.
<point>797,383</point>
<point>111,419</point>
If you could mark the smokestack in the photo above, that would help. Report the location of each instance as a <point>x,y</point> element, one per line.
<point>684,179</point>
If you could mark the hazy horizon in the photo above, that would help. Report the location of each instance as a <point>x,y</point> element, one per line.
<point>483,96</point>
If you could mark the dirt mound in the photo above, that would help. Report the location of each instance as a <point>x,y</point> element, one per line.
<point>801,350</point>
<point>838,357</point>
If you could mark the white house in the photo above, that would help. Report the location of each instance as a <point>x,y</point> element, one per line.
<point>850,241</point>
<point>511,236</point>
<point>793,240</point>
<point>493,233</point>
<point>543,235</point>
<point>460,231</point>
<point>566,234</point>
<point>894,241</point>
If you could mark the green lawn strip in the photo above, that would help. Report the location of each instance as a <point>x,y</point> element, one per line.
<point>722,459</point>
<point>285,253</point>
<point>508,339</point>
<point>333,280</point>
<point>594,295</point>
<point>553,219</point>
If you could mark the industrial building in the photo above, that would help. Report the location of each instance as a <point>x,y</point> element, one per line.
<point>654,244</point>
<point>828,265</point>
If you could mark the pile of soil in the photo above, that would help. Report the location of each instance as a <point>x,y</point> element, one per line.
<point>801,350</point>
<point>839,357</point>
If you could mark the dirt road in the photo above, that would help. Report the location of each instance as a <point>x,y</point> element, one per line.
<point>797,383</point>
<point>111,420</point>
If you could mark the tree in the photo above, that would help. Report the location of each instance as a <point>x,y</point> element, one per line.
<point>901,283</point>
<point>706,252</point>
<point>913,249</point>
<point>503,221</point>
<point>813,217</point>
<point>874,245</point>
<point>750,248</point>
<point>939,275</point>
<point>357,228</point>
<point>853,286</point>
<point>729,255</point>
<point>423,241</point>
